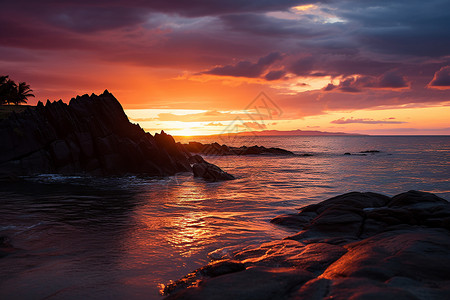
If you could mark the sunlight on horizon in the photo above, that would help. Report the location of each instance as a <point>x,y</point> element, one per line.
<point>388,121</point>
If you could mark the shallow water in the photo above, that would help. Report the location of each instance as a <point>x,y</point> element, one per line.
<point>99,238</point>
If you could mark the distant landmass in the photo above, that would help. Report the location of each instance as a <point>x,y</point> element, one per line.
<point>287,133</point>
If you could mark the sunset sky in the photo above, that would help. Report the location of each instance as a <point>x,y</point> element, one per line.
<point>199,67</point>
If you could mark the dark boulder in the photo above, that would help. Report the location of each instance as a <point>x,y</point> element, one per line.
<point>196,159</point>
<point>253,283</point>
<point>416,198</point>
<point>210,172</point>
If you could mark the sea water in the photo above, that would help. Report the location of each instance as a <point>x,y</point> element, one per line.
<point>78,237</point>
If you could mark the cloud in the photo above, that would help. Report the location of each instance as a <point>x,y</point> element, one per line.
<point>441,78</point>
<point>246,68</point>
<point>358,44</point>
<point>269,26</point>
<point>329,87</point>
<point>209,116</point>
<point>303,66</point>
<point>391,79</point>
<point>364,121</point>
<point>355,84</point>
<point>214,124</point>
<point>275,75</point>
<point>398,29</point>
<point>219,7</point>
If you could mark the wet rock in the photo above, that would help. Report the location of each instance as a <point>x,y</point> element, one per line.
<point>296,221</point>
<point>224,253</point>
<point>353,246</point>
<point>253,283</point>
<point>196,159</point>
<point>352,199</point>
<point>222,267</point>
<point>415,253</point>
<point>421,199</point>
<point>314,257</point>
<point>210,172</point>
<point>370,151</point>
<point>337,221</point>
<point>213,269</point>
<point>361,288</point>
<point>217,149</point>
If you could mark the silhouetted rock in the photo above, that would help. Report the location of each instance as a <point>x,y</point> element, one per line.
<point>217,268</point>
<point>253,283</point>
<point>210,172</point>
<point>217,149</point>
<point>353,246</point>
<point>90,135</point>
<point>363,153</point>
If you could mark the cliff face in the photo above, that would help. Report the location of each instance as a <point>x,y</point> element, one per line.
<point>91,135</point>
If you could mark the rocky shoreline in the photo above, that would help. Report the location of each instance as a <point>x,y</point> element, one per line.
<point>353,246</point>
<point>91,135</point>
<point>217,149</point>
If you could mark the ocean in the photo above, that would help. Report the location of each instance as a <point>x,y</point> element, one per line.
<point>78,237</point>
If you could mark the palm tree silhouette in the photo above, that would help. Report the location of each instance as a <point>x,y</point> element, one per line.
<point>10,92</point>
<point>23,91</point>
<point>3,89</point>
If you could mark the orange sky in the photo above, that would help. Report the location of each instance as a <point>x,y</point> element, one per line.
<point>195,69</point>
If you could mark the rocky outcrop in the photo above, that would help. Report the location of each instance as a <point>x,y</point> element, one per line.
<point>210,172</point>
<point>353,246</point>
<point>217,149</point>
<point>364,153</point>
<point>90,135</point>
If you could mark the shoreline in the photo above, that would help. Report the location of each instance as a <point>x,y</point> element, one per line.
<point>356,245</point>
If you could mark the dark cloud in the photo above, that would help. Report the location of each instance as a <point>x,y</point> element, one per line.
<point>350,85</point>
<point>415,27</point>
<point>219,7</point>
<point>81,19</point>
<point>441,78</point>
<point>318,102</point>
<point>246,68</point>
<point>259,24</point>
<point>303,66</point>
<point>355,64</point>
<point>329,87</point>
<point>338,65</point>
<point>392,79</point>
<point>38,36</point>
<point>108,14</point>
<point>359,42</point>
<point>364,121</point>
<point>275,75</point>
<point>388,80</point>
